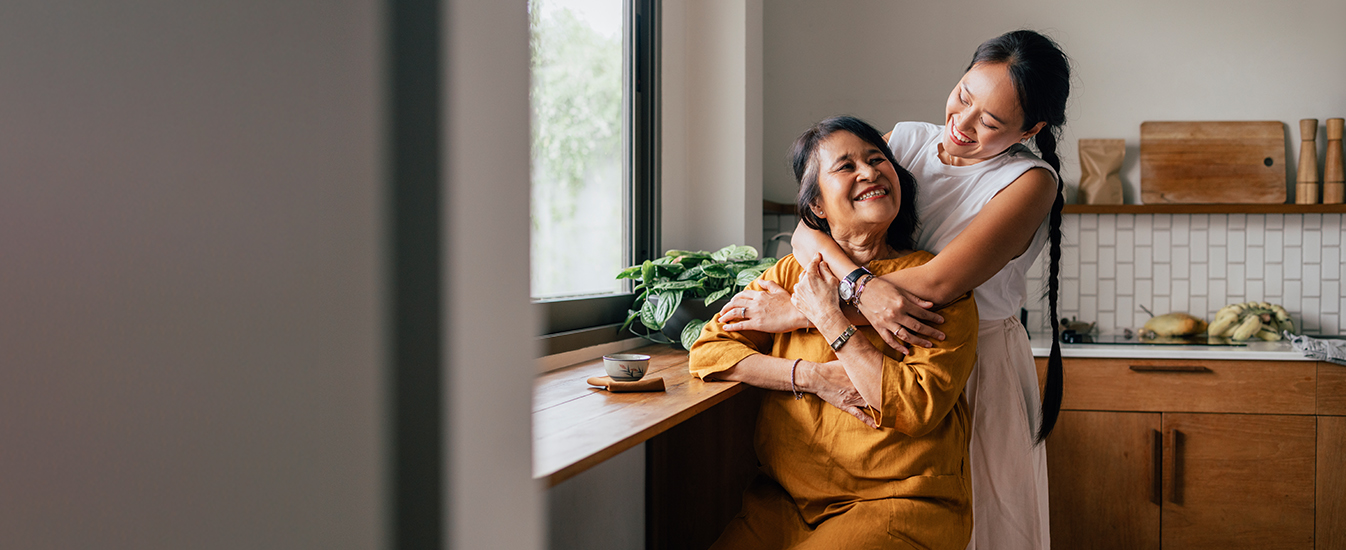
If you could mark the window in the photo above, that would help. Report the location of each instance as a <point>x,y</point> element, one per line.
<point>594,157</point>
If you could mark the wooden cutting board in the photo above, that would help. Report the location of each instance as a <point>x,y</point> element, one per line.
<point>1212,162</point>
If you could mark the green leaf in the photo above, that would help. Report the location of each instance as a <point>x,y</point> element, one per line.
<point>692,332</point>
<point>748,275</point>
<point>693,258</point>
<point>735,253</point>
<point>766,262</point>
<point>718,294</point>
<point>655,313</point>
<point>669,270</point>
<point>719,271</point>
<point>677,285</point>
<point>690,273</point>
<point>647,316</point>
<point>647,272</point>
<point>630,272</point>
<point>664,260</point>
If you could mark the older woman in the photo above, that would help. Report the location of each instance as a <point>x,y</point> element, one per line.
<point>861,446</point>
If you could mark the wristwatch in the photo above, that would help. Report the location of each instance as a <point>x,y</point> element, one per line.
<point>847,287</point>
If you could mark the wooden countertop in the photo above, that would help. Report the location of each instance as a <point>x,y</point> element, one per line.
<point>576,426</point>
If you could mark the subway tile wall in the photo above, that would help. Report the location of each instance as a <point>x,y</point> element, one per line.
<point>1111,264</point>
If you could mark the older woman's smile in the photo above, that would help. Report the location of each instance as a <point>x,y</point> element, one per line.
<point>872,193</point>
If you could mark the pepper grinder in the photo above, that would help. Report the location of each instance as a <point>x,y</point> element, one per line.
<point>1306,190</point>
<point>1334,181</point>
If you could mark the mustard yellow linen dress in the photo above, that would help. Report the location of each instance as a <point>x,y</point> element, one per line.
<point>830,481</point>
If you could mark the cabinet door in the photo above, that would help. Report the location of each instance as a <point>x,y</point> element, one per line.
<point>1238,481</point>
<point>1331,482</point>
<point>1104,487</point>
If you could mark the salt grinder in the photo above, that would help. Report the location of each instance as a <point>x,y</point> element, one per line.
<point>1306,188</point>
<point>1334,181</point>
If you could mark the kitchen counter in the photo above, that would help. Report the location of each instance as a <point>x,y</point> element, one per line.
<point>1254,351</point>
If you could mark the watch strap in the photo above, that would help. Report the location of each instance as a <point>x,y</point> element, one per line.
<point>841,340</point>
<point>847,287</point>
<point>860,287</point>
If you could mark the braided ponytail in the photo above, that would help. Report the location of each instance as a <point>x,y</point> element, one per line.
<point>1052,391</point>
<point>1041,75</point>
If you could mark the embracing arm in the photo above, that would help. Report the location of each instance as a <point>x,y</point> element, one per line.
<point>742,356</point>
<point>1001,231</point>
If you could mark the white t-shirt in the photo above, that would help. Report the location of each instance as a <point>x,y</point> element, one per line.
<point>949,197</point>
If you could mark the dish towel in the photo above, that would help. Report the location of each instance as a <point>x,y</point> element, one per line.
<point>1322,350</point>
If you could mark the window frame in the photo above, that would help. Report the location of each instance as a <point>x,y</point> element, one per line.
<point>574,323</point>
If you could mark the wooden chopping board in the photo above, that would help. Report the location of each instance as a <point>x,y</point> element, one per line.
<point>1212,162</point>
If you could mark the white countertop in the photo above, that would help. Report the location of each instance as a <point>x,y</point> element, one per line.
<point>1254,351</point>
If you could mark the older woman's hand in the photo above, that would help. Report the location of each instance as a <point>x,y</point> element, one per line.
<point>830,382</point>
<point>767,310</point>
<point>815,295</point>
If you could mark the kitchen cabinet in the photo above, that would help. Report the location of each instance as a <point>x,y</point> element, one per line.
<point>1196,454</point>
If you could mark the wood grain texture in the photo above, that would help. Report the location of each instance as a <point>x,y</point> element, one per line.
<point>1212,162</point>
<point>1331,389</point>
<point>576,426</point>
<point>1331,507</point>
<point>696,473</point>
<point>1247,482</point>
<point>1102,476</point>
<point>1270,387</point>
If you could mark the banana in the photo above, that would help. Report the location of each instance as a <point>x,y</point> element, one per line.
<point>1268,335</point>
<point>1286,325</point>
<point>1221,323</point>
<point>1250,325</point>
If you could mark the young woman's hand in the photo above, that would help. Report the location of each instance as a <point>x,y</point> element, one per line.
<point>815,295</point>
<point>899,316</point>
<point>830,382</point>
<point>766,310</point>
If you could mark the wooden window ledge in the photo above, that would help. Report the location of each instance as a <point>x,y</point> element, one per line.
<point>577,426</point>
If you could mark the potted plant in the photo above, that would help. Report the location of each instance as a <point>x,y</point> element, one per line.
<point>679,292</point>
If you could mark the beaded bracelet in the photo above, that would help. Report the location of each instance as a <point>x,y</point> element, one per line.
<point>798,394</point>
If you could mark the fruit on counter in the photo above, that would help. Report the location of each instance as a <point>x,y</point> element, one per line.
<point>1174,324</point>
<point>1250,320</point>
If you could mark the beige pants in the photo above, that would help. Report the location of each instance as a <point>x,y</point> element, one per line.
<point>1009,472</point>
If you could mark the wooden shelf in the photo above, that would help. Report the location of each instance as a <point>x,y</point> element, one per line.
<point>1205,209</point>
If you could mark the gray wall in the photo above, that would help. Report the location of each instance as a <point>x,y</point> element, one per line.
<point>191,285</point>
<point>1134,61</point>
<point>194,276</point>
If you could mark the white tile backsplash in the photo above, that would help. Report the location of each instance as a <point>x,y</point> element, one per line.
<point>1198,263</point>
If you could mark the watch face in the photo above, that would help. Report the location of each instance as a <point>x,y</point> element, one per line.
<point>845,291</point>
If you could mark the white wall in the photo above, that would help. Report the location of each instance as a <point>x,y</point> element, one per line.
<point>192,275</point>
<point>1133,61</point>
<point>712,123</point>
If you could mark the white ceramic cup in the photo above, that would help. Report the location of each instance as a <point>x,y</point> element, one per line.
<point>626,367</point>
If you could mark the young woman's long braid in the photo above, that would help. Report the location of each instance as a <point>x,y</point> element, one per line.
<point>1052,390</point>
<point>1041,74</point>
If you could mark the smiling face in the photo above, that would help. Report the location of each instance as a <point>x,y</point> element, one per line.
<point>858,186</point>
<point>983,117</point>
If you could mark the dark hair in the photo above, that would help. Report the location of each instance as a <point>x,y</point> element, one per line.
<point>804,159</point>
<point>1041,75</point>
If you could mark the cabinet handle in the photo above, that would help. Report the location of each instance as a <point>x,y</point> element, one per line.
<point>1168,368</point>
<point>1176,496</point>
<point>1158,489</point>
